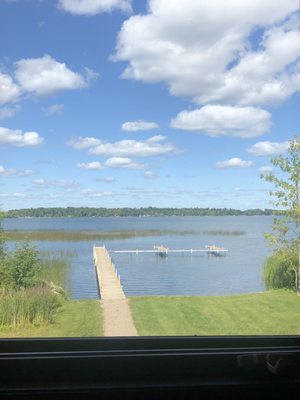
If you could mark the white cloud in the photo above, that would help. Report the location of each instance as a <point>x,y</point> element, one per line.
<point>234,163</point>
<point>217,120</point>
<point>133,148</point>
<point>123,162</point>
<point>84,142</point>
<point>40,182</point>
<point>59,183</point>
<point>108,179</point>
<point>8,112</point>
<point>9,91</point>
<point>93,7</point>
<point>14,173</point>
<point>154,146</point>
<point>18,138</point>
<point>203,49</point>
<point>139,125</point>
<point>16,194</point>
<point>90,75</point>
<point>54,109</point>
<point>90,165</point>
<point>268,148</point>
<point>94,193</point>
<point>150,175</point>
<point>266,169</point>
<point>45,75</point>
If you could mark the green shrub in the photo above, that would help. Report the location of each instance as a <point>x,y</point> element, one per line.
<point>24,265</point>
<point>279,269</point>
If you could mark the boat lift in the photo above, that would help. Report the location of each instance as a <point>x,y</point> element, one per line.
<point>164,251</point>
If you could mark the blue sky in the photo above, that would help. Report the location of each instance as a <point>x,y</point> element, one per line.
<point>120,103</point>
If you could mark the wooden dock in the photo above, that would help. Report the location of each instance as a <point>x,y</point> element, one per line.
<point>108,279</point>
<point>117,316</point>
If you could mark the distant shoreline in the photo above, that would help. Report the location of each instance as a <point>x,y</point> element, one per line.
<point>81,212</point>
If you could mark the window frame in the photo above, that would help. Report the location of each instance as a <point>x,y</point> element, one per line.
<point>63,366</point>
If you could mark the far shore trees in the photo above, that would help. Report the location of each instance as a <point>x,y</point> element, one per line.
<point>285,236</point>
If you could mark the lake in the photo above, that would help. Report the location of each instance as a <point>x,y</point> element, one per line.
<point>240,271</point>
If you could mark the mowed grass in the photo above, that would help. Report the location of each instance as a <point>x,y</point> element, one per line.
<point>269,313</point>
<point>74,319</point>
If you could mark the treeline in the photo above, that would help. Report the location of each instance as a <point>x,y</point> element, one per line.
<point>130,212</point>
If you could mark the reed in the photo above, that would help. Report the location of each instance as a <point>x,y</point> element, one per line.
<point>55,269</point>
<point>34,306</point>
<point>62,253</point>
<point>78,236</point>
<point>223,232</point>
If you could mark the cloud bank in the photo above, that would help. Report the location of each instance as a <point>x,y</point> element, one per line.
<point>209,42</point>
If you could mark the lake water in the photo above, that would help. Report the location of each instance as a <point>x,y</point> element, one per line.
<point>240,271</point>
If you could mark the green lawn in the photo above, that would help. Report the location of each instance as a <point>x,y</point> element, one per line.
<point>75,319</point>
<point>269,313</point>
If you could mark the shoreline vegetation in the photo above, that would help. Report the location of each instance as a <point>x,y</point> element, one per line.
<point>77,236</point>
<point>77,212</point>
<point>75,318</point>
<point>33,288</point>
<point>268,313</point>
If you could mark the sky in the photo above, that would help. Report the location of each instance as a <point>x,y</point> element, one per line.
<point>133,103</point>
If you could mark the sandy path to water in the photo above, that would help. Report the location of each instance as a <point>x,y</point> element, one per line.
<point>118,319</point>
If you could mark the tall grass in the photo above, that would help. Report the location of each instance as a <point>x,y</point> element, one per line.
<point>55,270</point>
<point>62,253</point>
<point>39,304</point>
<point>77,236</point>
<point>35,306</point>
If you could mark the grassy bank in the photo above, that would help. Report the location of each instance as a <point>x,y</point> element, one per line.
<point>269,313</point>
<point>74,319</point>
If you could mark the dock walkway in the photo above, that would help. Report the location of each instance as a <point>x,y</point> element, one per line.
<point>109,283</point>
<point>116,311</point>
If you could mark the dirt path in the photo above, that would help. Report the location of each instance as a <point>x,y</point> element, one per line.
<point>118,320</point>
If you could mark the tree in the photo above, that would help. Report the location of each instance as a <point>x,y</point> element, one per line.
<point>286,226</point>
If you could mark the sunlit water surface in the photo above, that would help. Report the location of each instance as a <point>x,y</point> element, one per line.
<point>240,271</point>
